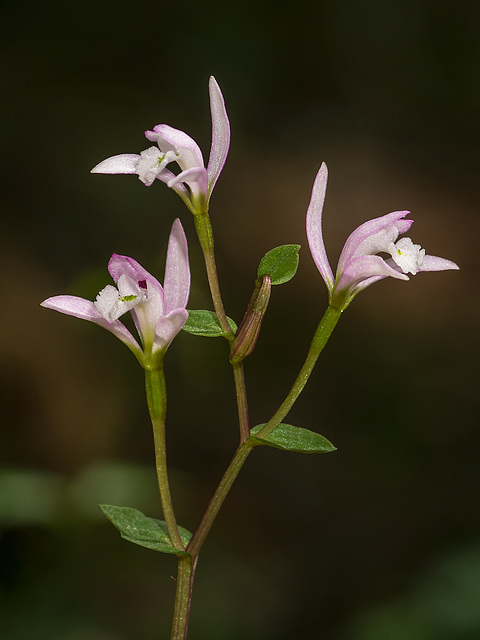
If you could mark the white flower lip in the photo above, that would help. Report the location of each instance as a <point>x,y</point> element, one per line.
<point>408,256</point>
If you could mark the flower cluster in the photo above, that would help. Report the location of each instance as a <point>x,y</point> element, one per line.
<point>158,312</point>
<point>360,264</point>
<point>372,252</point>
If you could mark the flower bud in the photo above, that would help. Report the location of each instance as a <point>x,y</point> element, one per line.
<point>247,334</point>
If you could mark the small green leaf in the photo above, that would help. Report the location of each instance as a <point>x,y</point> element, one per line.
<point>290,438</point>
<point>280,264</point>
<point>135,527</point>
<point>205,323</point>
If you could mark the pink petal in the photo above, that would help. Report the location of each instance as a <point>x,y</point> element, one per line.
<point>177,271</point>
<point>168,327</point>
<point>363,268</point>
<point>119,265</point>
<point>370,228</point>
<point>432,263</point>
<point>220,134</point>
<point>170,139</point>
<point>86,310</point>
<point>123,163</point>
<point>196,178</point>
<point>167,176</point>
<point>147,314</point>
<point>314,226</point>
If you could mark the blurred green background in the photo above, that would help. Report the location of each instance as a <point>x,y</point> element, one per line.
<point>378,541</point>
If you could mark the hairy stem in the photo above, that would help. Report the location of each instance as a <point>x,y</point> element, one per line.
<point>241,393</point>
<point>183,597</point>
<point>205,236</point>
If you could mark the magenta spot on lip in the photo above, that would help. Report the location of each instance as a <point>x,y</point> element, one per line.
<point>142,284</point>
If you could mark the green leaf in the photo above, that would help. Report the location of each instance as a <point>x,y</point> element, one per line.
<point>205,323</point>
<point>290,438</point>
<point>135,527</point>
<point>280,264</point>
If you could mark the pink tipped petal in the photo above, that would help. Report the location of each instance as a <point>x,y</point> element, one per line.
<point>220,134</point>
<point>168,327</point>
<point>314,226</point>
<point>123,163</point>
<point>123,265</point>
<point>365,267</point>
<point>170,139</point>
<point>145,315</point>
<point>86,310</point>
<point>367,282</point>
<point>177,271</point>
<point>167,176</point>
<point>73,306</point>
<point>370,228</point>
<point>432,263</point>
<point>196,178</point>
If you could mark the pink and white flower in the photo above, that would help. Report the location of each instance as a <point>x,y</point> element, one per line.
<point>195,182</point>
<point>159,313</point>
<point>360,264</point>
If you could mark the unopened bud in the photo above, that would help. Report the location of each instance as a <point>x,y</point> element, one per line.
<point>247,334</point>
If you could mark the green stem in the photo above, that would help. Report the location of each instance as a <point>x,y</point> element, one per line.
<point>219,496</point>
<point>157,406</point>
<point>322,334</point>
<point>241,393</point>
<point>185,576</point>
<point>320,338</point>
<point>183,596</point>
<point>205,236</point>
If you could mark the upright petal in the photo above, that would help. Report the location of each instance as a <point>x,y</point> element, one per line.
<point>220,134</point>
<point>314,226</point>
<point>177,271</point>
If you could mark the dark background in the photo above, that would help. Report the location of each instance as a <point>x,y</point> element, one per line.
<point>378,541</point>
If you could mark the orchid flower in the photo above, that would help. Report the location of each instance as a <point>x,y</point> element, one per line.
<point>359,264</point>
<point>194,184</point>
<point>158,312</point>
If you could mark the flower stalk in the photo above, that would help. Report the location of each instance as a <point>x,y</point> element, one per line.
<point>204,230</point>
<point>320,339</point>
<point>183,596</point>
<point>157,406</point>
